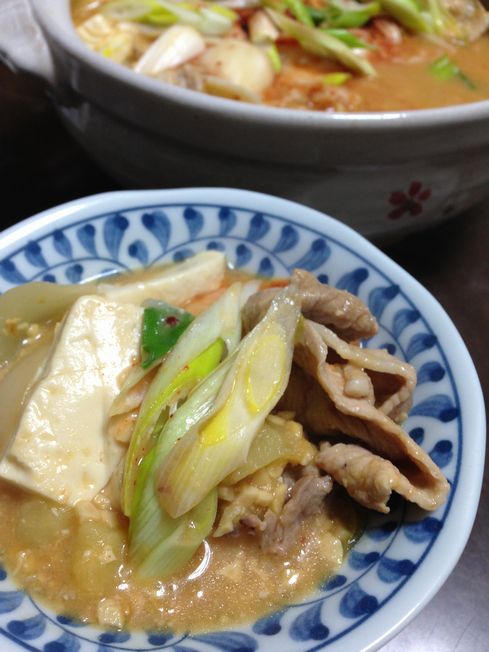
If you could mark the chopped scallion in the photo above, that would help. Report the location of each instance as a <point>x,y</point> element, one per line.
<point>318,42</point>
<point>336,78</point>
<point>300,12</point>
<point>445,69</point>
<point>348,38</point>
<point>349,14</point>
<point>274,56</point>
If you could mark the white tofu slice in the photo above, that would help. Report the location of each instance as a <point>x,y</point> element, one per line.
<point>61,449</point>
<point>176,284</point>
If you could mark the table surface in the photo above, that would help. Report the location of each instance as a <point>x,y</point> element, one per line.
<point>41,166</point>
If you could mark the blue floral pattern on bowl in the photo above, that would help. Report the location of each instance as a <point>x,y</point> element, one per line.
<point>393,548</point>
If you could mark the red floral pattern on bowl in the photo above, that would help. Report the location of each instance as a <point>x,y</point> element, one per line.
<point>410,202</point>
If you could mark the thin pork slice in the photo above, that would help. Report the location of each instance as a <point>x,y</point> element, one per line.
<point>341,311</point>
<point>317,394</point>
<point>368,478</point>
<point>393,380</point>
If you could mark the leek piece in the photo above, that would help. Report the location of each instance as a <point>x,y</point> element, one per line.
<point>261,28</point>
<point>209,452</point>
<point>206,17</point>
<point>277,440</point>
<point>408,13</point>
<point>118,47</point>
<point>348,14</point>
<point>134,376</point>
<point>150,525</point>
<point>274,56</point>
<point>176,390</point>
<point>445,69</point>
<point>209,18</point>
<point>336,78</point>
<point>162,326</point>
<point>179,546</point>
<point>158,544</point>
<point>348,39</point>
<point>221,320</point>
<point>174,47</point>
<point>160,18</point>
<point>128,9</point>
<point>454,26</point>
<point>318,42</point>
<point>299,11</point>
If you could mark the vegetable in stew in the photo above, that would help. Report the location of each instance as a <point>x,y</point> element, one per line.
<point>322,55</point>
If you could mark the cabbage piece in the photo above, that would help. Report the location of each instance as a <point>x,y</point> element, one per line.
<point>176,46</point>
<point>106,37</point>
<point>209,452</point>
<point>175,379</point>
<point>318,42</point>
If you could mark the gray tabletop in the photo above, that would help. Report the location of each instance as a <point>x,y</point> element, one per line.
<point>41,166</point>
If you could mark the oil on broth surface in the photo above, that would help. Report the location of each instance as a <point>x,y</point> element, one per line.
<point>80,568</point>
<point>404,80</point>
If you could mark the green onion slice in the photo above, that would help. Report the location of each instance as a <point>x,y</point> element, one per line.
<point>445,69</point>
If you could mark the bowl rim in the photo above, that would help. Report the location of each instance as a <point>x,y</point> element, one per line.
<point>66,37</point>
<point>471,397</point>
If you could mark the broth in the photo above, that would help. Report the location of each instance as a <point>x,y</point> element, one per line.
<point>402,60</point>
<point>80,568</point>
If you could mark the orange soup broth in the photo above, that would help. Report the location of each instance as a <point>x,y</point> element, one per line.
<point>403,78</point>
<point>80,568</point>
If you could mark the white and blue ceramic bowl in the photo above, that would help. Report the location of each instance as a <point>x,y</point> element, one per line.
<point>403,558</point>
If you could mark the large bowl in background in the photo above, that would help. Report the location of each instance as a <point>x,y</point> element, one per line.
<point>382,173</point>
<point>402,558</point>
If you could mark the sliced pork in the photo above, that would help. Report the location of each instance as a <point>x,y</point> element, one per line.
<point>306,498</point>
<point>276,508</point>
<point>318,394</point>
<point>368,478</point>
<point>343,312</point>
